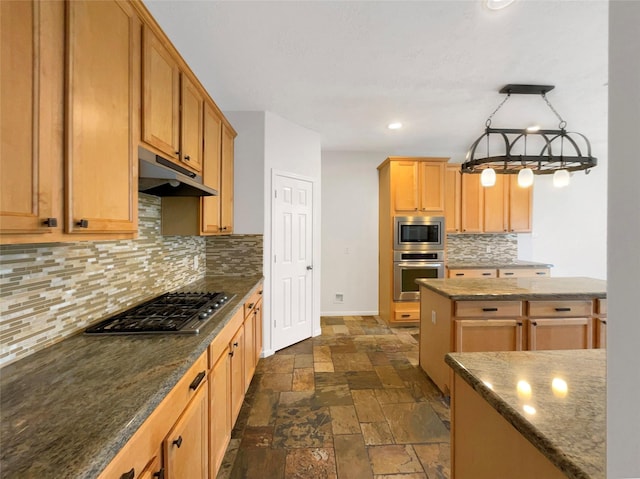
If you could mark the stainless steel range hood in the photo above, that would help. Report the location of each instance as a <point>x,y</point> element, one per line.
<point>160,177</point>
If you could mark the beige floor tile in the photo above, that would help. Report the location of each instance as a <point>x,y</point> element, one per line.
<point>394,396</point>
<point>311,463</point>
<point>295,398</point>
<point>389,376</point>
<point>415,423</point>
<point>351,457</point>
<point>303,361</point>
<point>411,475</point>
<point>376,433</point>
<point>344,420</point>
<point>321,354</point>
<point>352,362</point>
<point>367,406</point>
<point>394,459</point>
<point>303,379</point>
<point>435,459</point>
<point>276,382</point>
<point>263,412</point>
<point>323,367</point>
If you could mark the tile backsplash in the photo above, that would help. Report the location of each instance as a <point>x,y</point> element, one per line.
<point>51,291</point>
<point>482,247</point>
<point>236,255</point>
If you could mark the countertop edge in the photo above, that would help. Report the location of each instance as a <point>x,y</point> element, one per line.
<point>528,431</point>
<point>498,265</point>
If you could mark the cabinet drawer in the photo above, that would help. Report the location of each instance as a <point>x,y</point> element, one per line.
<point>601,304</point>
<point>407,315</point>
<point>488,309</point>
<point>473,273</point>
<point>252,301</point>
<point>523,272</point>
<point>559,309</point>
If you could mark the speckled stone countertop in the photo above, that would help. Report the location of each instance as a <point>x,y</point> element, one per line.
<point>569,423</point>
<point>493,264</point>
<point>68,409</point>
<point>517,288</point>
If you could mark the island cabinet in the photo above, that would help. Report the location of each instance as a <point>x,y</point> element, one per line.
<point>60,140</point>
<point>513,272</point>
<point>485,324</point>
<point>600,325</point>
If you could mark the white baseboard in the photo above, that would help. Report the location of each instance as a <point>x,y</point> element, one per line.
<point>349,313</point>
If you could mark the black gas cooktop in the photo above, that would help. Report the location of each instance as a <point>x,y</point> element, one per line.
<point>178,313</point>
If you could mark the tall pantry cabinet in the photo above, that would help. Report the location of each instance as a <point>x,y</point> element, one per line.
<point>408,186</point>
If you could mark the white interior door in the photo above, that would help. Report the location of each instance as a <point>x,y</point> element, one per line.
<point>292,267</point>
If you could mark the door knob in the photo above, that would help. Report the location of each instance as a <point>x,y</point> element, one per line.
<point>309,268</point>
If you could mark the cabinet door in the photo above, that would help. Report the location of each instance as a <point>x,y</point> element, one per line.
<point>452,186</point>
<point>474,335</point>
<point>219,410</point>
<point>191,129</point>
<point>185,447</point>
<point>161,97</point>
<point>601,333</point>
<point>237,373</point>
<point>103,51</point>
<point>257,314</point>
<point>564,333</point>
<point>495,206</point>
<point>226,187</point>
<point>249,350</point>
<point>153,470</point>
<point>31,78</point>
<point>472,204</point>
<point>431,186</point>
<point>211,170</point>
<point>520,206</point>
<point>405,185</point>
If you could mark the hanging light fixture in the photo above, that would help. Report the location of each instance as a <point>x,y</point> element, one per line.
<point>510,154</point>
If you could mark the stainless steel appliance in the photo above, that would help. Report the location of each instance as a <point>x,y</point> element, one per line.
<point>177,313</point>
<point>418,233</point>
<point>411,265</point>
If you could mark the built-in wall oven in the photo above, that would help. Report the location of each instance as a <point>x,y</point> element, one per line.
<point>418,233</point>
<point>411,265</point>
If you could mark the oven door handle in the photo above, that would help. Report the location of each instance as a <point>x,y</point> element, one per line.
<point>419,264</point>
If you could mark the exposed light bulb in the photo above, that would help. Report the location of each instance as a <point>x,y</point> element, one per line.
<point>488,177</point>
<point>394,126</point>
<point>561,178</point>
<point>533,128</point>
<point>525,177</point>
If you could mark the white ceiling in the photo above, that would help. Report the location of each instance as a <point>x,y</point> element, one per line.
<point>345,69</point>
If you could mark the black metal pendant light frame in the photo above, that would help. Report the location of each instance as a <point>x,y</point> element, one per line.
<point>561,150</point>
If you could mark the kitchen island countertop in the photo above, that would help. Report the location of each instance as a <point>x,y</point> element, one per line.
<point>567,393</point>
<point>517,288</point>
<point>67,410</point>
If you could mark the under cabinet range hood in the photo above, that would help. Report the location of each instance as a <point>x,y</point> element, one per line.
<point>160,177</point>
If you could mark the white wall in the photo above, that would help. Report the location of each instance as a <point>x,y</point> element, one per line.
<point>293,149</point>
<point>248,183</point>
<point>350,232</point>
<point>623,363</point>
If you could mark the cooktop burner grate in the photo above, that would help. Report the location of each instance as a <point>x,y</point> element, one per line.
<point>183,313</point>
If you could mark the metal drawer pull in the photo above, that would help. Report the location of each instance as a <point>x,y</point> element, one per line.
<point>250,305</point>
<point>406,315</point>
<point>198,379</point>
<point>459,274</point>
<point>489,309</point>
<point>519,323</point>
<point>603,321</point>
<point>533,323</point>
<point>129,475</point>
<point>541,273</point>
<point>159,474</point>
<point>235,345</point>
<point>489,274</point>
<point>51,222</point>
<point>509,274</point>
<point>83,223</point>
<point>178,442</point>
<point>563,309</point>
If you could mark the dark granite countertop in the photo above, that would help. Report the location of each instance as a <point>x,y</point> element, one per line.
<point>67,410</point>
<point>517,288</point>
<point>567,390</point>
<point>496,264</point>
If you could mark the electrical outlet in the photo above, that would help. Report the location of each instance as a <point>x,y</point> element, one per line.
<point>339,298</point>
<point>196,262</point>
<point>433,317</point>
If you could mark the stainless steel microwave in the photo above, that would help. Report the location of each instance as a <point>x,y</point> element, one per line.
<point>418,233</point>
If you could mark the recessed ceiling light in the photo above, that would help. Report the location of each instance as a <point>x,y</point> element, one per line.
<point>394,126</point>
<point>497,4</point>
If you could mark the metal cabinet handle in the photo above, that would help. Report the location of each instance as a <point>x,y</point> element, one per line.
<point>177,153</point>
<point>197,380</point>
<point>129,475</point>
<point>51,222</point>
<point>231,353</point>
<point>563,309</point>
<point>235,345</point>
<point>518,323</point>
<point>260,292</point>
<point>406,315</point>
<point>250,305</point>
<point>489,274</point>
<point>508,274</point>
<point>178,442</point>
<point>187,158</point>
<point>541,273</point>
<point>489,309</point>
<point>83,223</point>
<point>603,321</point>
<point>459,274</point>
<point>309,268</point>
<point>159,474</point>
<point>534,323</point>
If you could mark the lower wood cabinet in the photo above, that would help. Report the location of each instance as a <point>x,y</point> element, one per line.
<point>473,335</point>
<point>185,447</point>
<point>154,469</point>
<point>560,333</point>
<point>220,422</point>
<point>237,373</point>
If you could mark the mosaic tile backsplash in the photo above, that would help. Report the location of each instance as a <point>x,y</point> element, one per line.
<point>485,247</point>
<point>236,255</point>
<point>51,291</point>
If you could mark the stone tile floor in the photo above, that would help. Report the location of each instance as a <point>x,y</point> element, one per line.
<point>350,404</point>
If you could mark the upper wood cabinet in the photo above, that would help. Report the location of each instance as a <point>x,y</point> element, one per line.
<point>226,187</point>
<point>103,48</point>
<point>452,198</point>
<point>31,114</point>
<point>417,185</point>
<point>210,215</point>
<point>173,106</point>
<point>502,208</point>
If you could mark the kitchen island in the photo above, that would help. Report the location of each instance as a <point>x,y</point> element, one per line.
<point>497,269</point>
<point>506,314</point>
<point>68,410</point>
<point>528,414</point>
